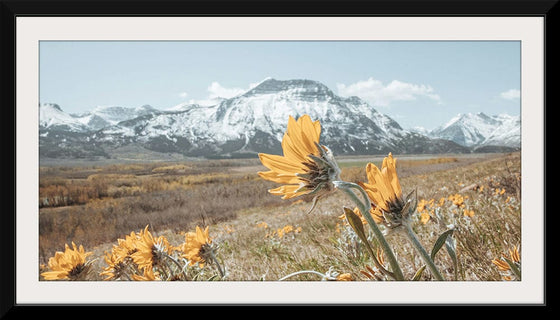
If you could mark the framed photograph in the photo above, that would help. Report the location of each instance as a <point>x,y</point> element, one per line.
<point>240,156</point>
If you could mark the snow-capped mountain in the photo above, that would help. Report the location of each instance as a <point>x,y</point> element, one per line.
<point>52,116</point>
<point>481,130</point>
<point>256,121</point>
<point>244,125</point>
<point>112,115</point>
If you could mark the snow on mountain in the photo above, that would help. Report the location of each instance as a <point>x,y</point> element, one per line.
<point>194,104</point>
<point>52,116</point>
<point>507,134</point>
<point>480,129</point>
<point>115,114</point>
<point>256,121</point>
<point>420,130</point>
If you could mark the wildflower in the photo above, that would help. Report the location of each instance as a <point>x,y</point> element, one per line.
<point>384,191</point>
<point>511,265</point>
<point>424,217</point>
<point>501,264</point>
<point>119,261</point>
<point>148,275</point>
<point>370,273</point>
<point>287,229</point>
<point>307,168</point>
<point>344,277</point>
<point>458,200</point>
<point>127,246</point>
<point>229,229</point>
<point>422,205</point>
<point>514,255</point>
<point>151,251</point>
<point>263,225</point>
<point>70,264</point>
<point>468,213</point>
<point>198,247</point>
<point>116,267</point>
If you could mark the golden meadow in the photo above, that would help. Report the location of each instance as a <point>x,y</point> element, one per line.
<point>367,218</point>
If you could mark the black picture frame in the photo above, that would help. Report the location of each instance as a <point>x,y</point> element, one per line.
<point>10,9</point>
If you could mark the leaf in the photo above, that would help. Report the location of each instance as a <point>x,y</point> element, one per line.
<point>356,224</point>
<point>514,267</point>
<point>418,273</point>
<point>214,278</point>
<point>440,242</point>
<point>452,250</point>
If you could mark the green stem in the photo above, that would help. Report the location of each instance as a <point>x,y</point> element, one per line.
<point>423,253</point>
<point>344,186</point>
<point>218,264</point>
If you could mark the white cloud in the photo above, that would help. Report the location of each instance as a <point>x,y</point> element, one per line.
<point>511,94</point>
<point>183,95</point>
<point>379,94</point>
<point>217,91</point>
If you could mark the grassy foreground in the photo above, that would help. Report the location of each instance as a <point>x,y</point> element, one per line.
<point>258,236</point>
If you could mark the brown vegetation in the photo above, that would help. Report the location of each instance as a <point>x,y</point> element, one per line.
<point>262,237</point>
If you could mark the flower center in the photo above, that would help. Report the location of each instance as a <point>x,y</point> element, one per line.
<point>76,271</point>
<point>317,173</point>
<point>205,252</point>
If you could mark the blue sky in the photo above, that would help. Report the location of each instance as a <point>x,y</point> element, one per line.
<point>420,83</point>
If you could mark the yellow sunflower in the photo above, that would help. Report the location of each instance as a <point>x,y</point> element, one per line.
<point>150,250</point>
<point>503,264</point>
<point>197,247</point>
<point>148,275</point>
<point>514,254</point>
<point>119,261</point>
<point>306,166</point>
<point>384,190</point>
<point>344,277</point>
<point>127,246</point>
<point>70,264</point>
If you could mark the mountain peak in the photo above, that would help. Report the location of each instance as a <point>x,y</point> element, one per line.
<point>271,85</point>
<point>50,105</point>
<point>471,129</point>
<point>146,107</point>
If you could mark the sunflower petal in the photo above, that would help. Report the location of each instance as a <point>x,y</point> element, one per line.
<point>288,191</point>
<point>391,165</point>
<point>279,177</point>
<point>309,134</point>
<point>376,178</point>
<point>297,137</point>
<point>290,150</point>
<point>280,164</point>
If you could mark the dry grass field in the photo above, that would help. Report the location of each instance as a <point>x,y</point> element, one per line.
<point>260,237</point>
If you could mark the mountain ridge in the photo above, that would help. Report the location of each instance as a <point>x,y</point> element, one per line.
<point>241,126</point>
